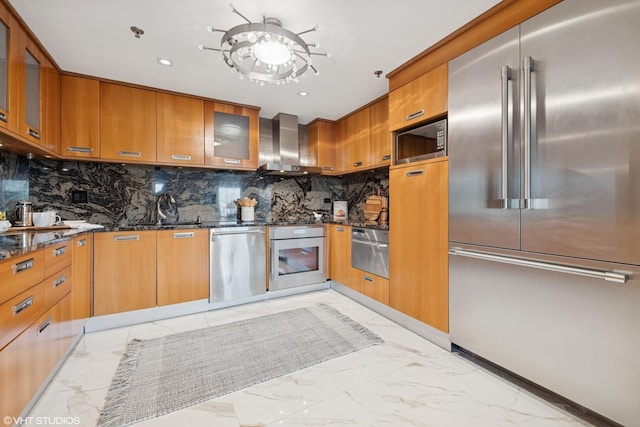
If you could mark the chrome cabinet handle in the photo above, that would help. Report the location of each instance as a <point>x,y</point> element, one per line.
<point>129,153</point>
<point>357,164</point>
<point>22,305</point>
<point>232,161</point>
<point>19,267</point>
<point>183,235</point>
<point>415,115</point>
<point>504,194</point>
<point>80,150</point>
<point>60,251</point>
<point>3,117</point>
<point>44,325</point>
<point>386,157</point>
<point>340,229</point>
<point>34,133</point>
<point>327,168</point>
<point>82,243</point>
<point>60,281</point>
<point>415,173</point>
<point>180,157</point>
<point>376,244</point>
<point>528,67</point>
<point>126,238</point>
<point>609,276</point>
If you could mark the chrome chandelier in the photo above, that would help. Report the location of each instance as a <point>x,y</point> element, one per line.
<point>266,51</point>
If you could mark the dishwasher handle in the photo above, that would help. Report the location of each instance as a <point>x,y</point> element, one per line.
<point>215,232</point>
<point>370,243</point>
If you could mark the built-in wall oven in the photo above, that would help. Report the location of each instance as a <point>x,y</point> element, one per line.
<point>296,256</point>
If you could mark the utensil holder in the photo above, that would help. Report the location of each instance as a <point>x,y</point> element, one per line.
<point>247,213</point>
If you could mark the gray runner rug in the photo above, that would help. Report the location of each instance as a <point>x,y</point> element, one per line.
<point>162,375</point>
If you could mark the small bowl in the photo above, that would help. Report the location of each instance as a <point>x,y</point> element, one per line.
<point>317,216</point>
<point>4,226</point>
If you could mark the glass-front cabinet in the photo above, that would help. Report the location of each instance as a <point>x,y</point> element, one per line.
<point>9,37</point>
<point>231,136</point>
<point>33,88</point>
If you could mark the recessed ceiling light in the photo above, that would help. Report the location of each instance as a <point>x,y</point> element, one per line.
<point>303,93</point>
<point>165,61</point>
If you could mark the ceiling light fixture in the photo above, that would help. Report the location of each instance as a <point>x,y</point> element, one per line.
<point>303,93</point>
<point>165,61</point>
<point>266,51</point>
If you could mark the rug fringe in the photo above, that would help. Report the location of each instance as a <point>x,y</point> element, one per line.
<point>120,385</point>
<point>352,323</point>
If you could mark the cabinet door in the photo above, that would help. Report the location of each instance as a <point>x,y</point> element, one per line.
<point>124,271</point>
<point>342,138</point>
<point>231,136</point>
<point>81,294</point>
<point>180,130</point>
<point>16,373</point>
<point>183,266</point>
<point>340,269</point>
<point>9,70</point>
<point>421,99</point>
<point>418,243</point>
<point>358,141</point>
<point>373,286</point>
<point>80,117</point>
<point>51,107</point>
<point>32,91</point>
<point>322,145</point>
<point>127,123</point>
<point>380,134</point>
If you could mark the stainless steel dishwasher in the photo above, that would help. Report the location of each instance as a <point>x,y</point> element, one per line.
<point>238,263</point>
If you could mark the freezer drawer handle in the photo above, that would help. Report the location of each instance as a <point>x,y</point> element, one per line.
<point>609,276</point>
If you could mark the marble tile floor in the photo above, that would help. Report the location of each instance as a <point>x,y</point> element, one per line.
<point>408,381</point>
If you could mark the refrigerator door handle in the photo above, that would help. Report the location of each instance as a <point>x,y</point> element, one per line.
<point>609,276</point>
<point>505,76</point>
<point>528,67</point>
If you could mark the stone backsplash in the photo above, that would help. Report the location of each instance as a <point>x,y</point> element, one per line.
<point>126,194</point>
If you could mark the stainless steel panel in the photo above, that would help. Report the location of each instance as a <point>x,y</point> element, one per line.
<point>312,247</point>
<point>476,133</point>
<point>370,251</point>
<point>585,151</point>
<point>574,335</point>
<point>238,263</point>
<point>295,231</point>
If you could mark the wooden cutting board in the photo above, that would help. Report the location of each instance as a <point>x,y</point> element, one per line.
<point>374,205</point>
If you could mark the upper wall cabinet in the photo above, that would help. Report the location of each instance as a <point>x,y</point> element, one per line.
<point>9,70</point>
<point>355,146</point>
<point>127,123</point>
<point>419,100</point>
<point>380,135</point>
<point>32,91</point>
<point>180,130</point>
<point>80,117</point>
<point>322,145</point>
<point>231,136</point>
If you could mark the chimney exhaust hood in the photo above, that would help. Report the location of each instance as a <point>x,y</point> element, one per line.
<point>286,149</point>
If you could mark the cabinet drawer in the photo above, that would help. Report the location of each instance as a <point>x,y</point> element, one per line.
<point>19,312</point>
<point>57,286</point>
<point>20,273</point>
<point>57,257</point>
<point>375,287</point>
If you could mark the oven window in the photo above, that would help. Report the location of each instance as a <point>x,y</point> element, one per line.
<point>298,260</point>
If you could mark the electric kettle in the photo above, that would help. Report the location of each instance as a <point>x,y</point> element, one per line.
<point>24,214</point>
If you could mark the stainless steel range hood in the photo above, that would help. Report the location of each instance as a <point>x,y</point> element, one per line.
<point>286,149</point>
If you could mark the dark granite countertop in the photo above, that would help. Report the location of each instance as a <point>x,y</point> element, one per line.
<point>235,223</point>
<point>15,243</point>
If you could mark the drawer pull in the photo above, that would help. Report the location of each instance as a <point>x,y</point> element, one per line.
<point>386,157</point>
<point>357,164</point>
<point>33,133</point>
<point>232,161</point>
<point>3,117</point>
<point>60,251</point>
<point>327,168</point>
<point>126,238</point>
<point>340,229</point>
<point>183,235</point>
<point>416,173</point>
<point>415,115</point>
<point>22,305</point>
<point>180,157</point>
<point>22,266</point>
<point>82,243</point>
<point>129,153</point>
<point>60,281</point>
<point>44,325</point>
<point>87,150</point>
<point>367,278</point>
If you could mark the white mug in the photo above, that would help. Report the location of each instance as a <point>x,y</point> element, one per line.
<point>45,219</point>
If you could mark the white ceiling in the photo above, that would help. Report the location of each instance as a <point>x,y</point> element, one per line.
<point>92,37</point>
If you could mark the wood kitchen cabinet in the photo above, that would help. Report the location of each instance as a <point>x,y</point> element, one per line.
<point>183,265</point>
<point>32,84</point>
<point>322,145</point>
<point>180,138</point>
<point>373,286</point>
<point>231,136</point>
<point>80,117</point>
<point>419,100</point>
<point>418,256</point>
<point>357,142</point>
<point>10,36</point>
<point>127,123</point>
<point>380,135</point>
<point>51,107</point>
<point>124,271</point>
<point>339,253</point>
<point>81,293</point>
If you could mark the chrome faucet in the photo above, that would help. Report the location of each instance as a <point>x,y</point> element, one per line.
<point>163,198</point>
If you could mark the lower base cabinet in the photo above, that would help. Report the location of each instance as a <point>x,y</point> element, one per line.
<point>124,271</point>
<point>373,286</point>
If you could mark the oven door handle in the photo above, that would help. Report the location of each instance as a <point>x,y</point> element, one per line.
<point>376,244</point>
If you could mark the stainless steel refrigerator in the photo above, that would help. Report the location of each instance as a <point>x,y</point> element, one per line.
<point>544,203</point>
